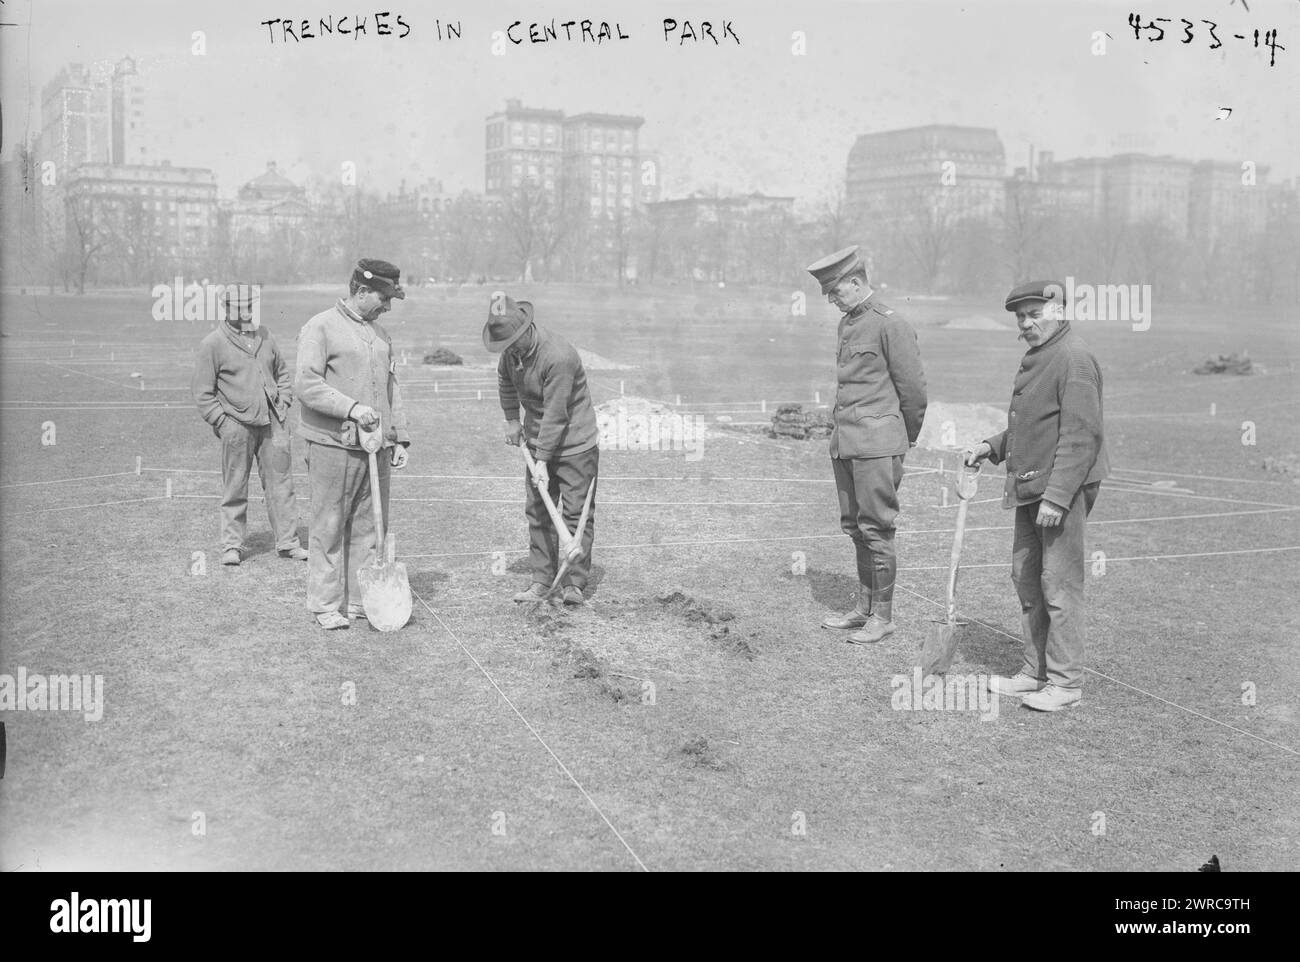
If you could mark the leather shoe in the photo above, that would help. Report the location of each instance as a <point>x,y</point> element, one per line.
<point>534,592</point>
<point>294,554</point>
<point>850,619</point>
<point>331,620</point>
<point>875,629</point>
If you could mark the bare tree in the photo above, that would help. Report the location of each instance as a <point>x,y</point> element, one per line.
<point>927,237</point>
<point>835,221</point>
<point>85,238</point>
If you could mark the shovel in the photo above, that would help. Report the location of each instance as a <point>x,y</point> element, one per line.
<point>570,544</point>
<point>385,592</point>
<point>939,648</point>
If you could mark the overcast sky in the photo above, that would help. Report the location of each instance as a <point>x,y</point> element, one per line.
<point>752,116</point>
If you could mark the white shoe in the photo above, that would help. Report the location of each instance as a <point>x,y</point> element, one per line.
<point>1052,698</point>
<point>1015,686</point>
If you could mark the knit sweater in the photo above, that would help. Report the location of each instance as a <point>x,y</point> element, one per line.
<point>1054,442</point>
<point>242,377</point>
<point>549,383</point>
<point>344,360</point>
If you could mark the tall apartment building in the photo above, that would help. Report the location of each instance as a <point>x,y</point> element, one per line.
<point>76,107</point>
<point>132,142</point>
<point>75,129</point>
<point>895,176</point>
<point>591,160</point>
<point>523,144</point>
<point>168,212</point>
<point>601,163</point>
<point>1149,188</point>
<point>1219,203</point>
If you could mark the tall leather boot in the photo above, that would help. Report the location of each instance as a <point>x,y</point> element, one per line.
<point>855,617</point>
<point>881,623</point>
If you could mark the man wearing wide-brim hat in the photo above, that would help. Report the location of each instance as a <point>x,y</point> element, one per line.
<point>1054,450</point>
<point>880,403</point>
<point>243,389</point>
<point>541,374</point>
<point>347,377</point>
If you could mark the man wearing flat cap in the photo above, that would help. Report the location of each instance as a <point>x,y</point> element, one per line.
<point>541,374</point>
<point>347,377</point>
<point>1055,455</point>
<point>243,389</point>
<point>879,406</point>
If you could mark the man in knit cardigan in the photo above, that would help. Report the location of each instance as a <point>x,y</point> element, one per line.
<point>1055,456</point>
<point>541,373</point>
<point>243,388</point>
<point>347,379</point>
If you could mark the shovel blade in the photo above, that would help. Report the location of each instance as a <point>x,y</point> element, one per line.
<point>385,595</point>
<point>939,648</point>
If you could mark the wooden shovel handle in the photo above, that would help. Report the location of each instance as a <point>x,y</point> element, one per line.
<point>378,506</point>
<point>565,537</point>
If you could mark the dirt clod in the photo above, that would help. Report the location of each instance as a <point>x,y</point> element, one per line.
<point>678,602</point>
<point>1226,364</point>
<point>698,752</point>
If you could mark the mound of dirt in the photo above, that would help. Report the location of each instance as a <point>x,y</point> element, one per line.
<point>950,425</point>
<point>629,406</point>
<point>443,356</point>
<point>684,606</point>
<point>792,421</point>
<point>1226,364</point>
<point>975,322</point>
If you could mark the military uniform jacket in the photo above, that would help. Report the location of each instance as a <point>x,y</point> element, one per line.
<point>1054,443</point>
<point>880,401</point>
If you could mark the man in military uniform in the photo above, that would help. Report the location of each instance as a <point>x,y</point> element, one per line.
<point>1055,456</point>
<point>879,407</point>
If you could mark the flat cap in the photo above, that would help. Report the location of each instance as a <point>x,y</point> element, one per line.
<point>379,276</point>
<point>833,268</point>
<point>1036,291</point>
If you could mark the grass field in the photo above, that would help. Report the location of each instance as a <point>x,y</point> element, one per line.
<point>693,715</point>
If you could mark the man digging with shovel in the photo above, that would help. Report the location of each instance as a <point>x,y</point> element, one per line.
<point>542,373</point>
<point>347,388</point>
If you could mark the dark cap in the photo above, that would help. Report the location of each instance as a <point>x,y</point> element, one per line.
<point>1036,291</point>
<point>833,268</point>
<point>379,276</point>
<point>507,321</point>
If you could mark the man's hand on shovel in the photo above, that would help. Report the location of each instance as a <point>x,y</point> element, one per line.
<point>542,476</point>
